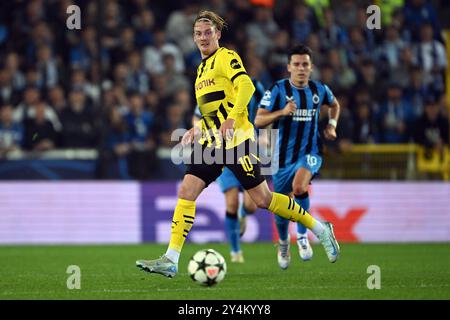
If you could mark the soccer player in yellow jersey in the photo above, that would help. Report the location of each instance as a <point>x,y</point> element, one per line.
<point>223,90</point>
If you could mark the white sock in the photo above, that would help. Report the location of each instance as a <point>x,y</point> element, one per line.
<point>318,228</point>
<point>173,255</point>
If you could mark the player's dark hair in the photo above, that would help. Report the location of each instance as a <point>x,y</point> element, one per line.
<point>300,49</point>
<point>214,18</point>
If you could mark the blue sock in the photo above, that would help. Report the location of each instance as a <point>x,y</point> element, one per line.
<point>232,231</point>
<point>303,201</point>
<point>282,227</point>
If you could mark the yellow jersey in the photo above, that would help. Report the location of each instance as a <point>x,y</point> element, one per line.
<point>216,94</point>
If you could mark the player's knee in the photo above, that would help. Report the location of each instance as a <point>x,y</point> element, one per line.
<point>299,189</point>
<point>232,200</point>
<point>263,202</point>
<point>250,207</point>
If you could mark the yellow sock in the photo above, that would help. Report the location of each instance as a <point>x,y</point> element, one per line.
<point>287,208</point>
<point>183,219</point>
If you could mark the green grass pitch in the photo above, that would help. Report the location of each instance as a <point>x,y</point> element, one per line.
<point>408,271</point>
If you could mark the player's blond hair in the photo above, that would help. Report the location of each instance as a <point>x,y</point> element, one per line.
<point>213,18</point>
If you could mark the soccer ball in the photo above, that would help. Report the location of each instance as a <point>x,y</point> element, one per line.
<point>207,267</point>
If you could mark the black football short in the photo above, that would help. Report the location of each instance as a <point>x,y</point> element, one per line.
<point>207,163</point>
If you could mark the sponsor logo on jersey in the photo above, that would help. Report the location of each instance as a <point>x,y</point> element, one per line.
<point>265,101</point>
<point>235,64</point>
<point>304,114</point>
<point>205,83</point>
<point>315,99</point>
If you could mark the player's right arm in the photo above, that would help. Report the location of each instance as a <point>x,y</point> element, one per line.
<point>266,115</point>
<point>196,117</point>
<point>195,131</point>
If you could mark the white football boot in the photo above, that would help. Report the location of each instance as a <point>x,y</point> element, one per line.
<point>304,248</point>
<point>329,242</point>
<point>284,255</point>
<point>237,257</point>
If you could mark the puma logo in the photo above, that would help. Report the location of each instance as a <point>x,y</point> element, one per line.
<point>257,159</point>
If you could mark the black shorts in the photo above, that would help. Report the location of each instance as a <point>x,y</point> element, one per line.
<point>207,163</point>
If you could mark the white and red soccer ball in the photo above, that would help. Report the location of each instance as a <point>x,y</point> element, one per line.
<point>207,267</point>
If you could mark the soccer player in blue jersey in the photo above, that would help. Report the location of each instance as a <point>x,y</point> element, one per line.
<point>236,214</point>
<point>292,106</point>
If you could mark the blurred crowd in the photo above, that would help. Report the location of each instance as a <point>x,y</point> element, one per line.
<point>124,82</point>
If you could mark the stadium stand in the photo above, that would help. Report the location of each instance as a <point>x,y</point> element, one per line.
<point>101,102</point>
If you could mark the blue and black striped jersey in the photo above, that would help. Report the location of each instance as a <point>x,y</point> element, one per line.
<point>298,134</point>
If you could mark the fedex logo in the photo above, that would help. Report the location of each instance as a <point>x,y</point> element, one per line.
<point>344,224</point>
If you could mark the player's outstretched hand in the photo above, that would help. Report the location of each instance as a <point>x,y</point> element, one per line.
<point>227,129</point>
<point>330,132</point>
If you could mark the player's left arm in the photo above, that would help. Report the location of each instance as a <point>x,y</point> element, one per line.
<point>244,88</point>
<point>333,114</point>
<point>244,91</point>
